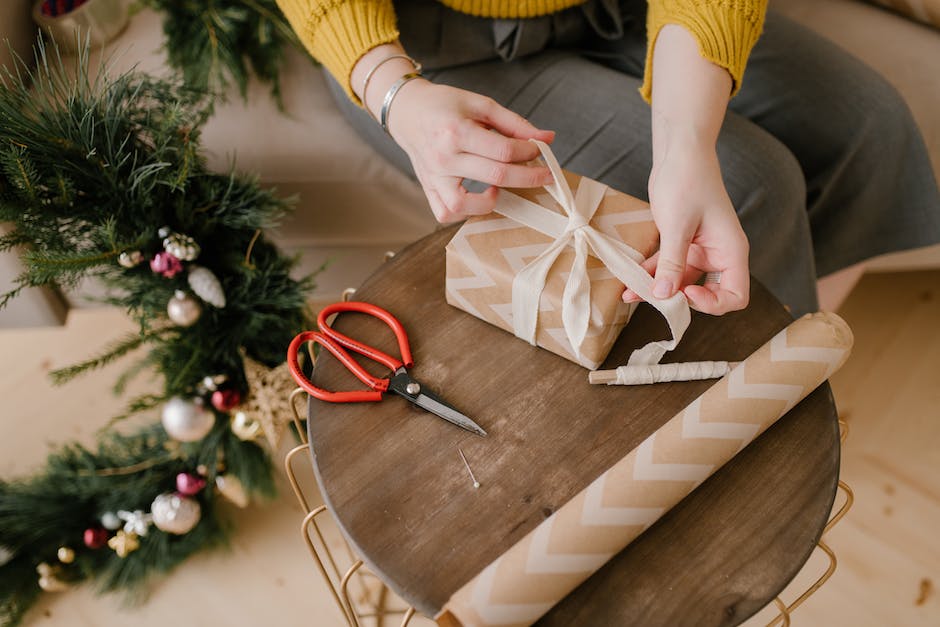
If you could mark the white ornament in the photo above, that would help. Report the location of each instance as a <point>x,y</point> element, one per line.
<point>110,521</point>
<point>5,555</point>
<point>186,420</point>
<point>136,522</point>
<point>183,247</point>
<point>48,580</point>
<point>231,488</point>
<point>206,286</point>
<point>175,513</point>
<point>183,309</point>
<point>130,259</point>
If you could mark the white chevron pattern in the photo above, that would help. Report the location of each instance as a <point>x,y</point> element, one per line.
<point>596,514</point>
<point>487,295</point>
<point>502,614</point>
<point>540,561</point>
<point>779,351</point>
<point>562,551</point>
<point>645,469</point>
<point>739,388</point>
<point>693,427</point>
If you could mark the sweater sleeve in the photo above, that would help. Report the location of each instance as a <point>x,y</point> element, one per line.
<point>726,30</point>
<point>338,32</point>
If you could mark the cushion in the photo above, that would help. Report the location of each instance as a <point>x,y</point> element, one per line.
<point>926,11</point>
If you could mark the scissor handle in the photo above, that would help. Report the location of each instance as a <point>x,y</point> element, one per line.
<point>372,353</point>
<point>355,396</point>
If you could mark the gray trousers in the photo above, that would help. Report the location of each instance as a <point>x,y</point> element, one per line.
<point>820,156</point>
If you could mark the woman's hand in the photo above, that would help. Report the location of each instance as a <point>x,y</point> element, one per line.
<point>699,229</point>
<point>700,232</point>
<point>450,135</point>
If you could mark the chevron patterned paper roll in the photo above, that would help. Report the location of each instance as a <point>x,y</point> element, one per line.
<point>565,549</point>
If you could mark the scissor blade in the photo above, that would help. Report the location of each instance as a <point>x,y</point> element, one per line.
<point>447,413</point>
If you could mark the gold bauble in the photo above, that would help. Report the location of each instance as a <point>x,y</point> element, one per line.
<point>245,427</point>
<point>65,555</point>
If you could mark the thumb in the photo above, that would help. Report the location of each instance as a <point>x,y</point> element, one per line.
<point>670,266</point>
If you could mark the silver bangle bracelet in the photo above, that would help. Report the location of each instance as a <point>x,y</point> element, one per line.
<point>370,73</point>
<point>390,96</point>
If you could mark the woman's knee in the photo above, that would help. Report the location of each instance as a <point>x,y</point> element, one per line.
<point>767,188</point>
<point>763,178</point>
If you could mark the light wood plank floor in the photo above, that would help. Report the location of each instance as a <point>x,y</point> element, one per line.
<point>888,546</point>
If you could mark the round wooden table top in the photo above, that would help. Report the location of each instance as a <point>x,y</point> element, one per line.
<point>393,479</point>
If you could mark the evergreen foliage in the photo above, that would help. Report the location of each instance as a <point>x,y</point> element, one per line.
<point>91,167</point>
<point>218,42</point>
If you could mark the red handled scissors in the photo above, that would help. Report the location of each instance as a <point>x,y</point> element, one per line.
<point>399,382</point>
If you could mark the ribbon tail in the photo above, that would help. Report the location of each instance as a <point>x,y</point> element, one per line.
<point>527,288</point>
<point>620,259</point>
<point>576,300</point>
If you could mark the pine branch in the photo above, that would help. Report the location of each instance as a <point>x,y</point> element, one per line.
<point>213,43</point>
<point>112,353</point>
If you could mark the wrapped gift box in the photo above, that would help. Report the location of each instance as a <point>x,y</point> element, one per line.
<point>488,252</point>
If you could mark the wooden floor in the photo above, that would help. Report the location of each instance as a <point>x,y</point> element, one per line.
<point>888,546</point>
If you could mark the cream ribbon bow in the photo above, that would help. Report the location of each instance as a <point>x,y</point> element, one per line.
<point>622,260</point>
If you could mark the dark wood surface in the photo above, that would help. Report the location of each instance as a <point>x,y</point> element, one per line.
<point>392,476</point>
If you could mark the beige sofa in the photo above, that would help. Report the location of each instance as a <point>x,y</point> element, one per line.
<point>353,206</point>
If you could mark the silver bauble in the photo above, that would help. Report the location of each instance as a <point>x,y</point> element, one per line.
<point>130,258</point>
<point>175,513</point>
<point>183,247</point>
<point>110,521</point>
<point>185,420</point>
<point>183,309</point>
<point>5,555</point>
<point>206,286</point>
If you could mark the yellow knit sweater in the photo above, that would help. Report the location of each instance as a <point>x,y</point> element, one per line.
<point>338,32</point>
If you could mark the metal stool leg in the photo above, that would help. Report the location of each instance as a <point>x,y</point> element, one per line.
<point>783,618</point>
<point>337,581</point>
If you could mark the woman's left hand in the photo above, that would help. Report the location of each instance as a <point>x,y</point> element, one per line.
<point>699,231</point>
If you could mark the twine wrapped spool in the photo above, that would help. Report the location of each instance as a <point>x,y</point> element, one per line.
<point>98,20</point>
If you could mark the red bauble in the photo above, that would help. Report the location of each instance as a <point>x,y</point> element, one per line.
<point>95,537</point>
<point>226,400</point>
<point>189,484</point>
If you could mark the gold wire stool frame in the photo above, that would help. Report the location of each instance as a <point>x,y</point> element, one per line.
<point>336,580</point>
<point>338,583</point>
<point>783,618</point>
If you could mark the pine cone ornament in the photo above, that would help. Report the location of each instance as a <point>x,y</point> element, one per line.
<point>206,286</point>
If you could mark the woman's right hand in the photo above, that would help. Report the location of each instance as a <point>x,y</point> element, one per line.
<point>451,134</point>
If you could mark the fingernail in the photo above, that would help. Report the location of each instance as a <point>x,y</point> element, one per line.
<point>662,288</point>
<point>630,298</point>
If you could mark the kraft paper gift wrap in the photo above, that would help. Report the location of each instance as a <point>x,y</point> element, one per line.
<point>566,548</point>
<point>550,265</point>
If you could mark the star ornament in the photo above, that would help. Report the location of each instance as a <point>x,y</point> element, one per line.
<point>136,522</point>
<point>268,401</point>
<point>124,543</point>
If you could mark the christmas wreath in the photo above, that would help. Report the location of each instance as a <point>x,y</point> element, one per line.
<point>103,178</point>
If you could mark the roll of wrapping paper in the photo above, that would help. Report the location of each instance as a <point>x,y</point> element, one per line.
<point>566,548</point>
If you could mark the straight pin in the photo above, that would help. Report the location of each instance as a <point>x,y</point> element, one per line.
<point>476,484</point>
